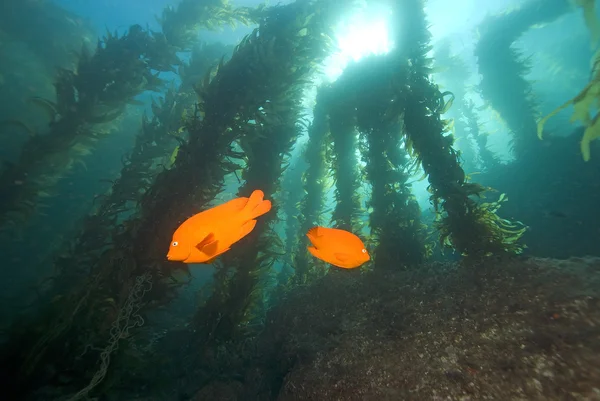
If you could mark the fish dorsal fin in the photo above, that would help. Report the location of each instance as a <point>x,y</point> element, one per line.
<point>209,243</point>
<point>218,212</point>
<point>344,257</point>
<point>313,232</point>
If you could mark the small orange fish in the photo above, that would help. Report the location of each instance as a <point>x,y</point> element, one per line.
<point>206,235</point>
<point>338,247</point>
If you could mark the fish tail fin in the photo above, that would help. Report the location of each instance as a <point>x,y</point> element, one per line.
<point>256,205</point>
<point>246,229</point>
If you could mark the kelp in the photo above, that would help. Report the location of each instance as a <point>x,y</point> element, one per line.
<point>269,70</point>
<point>203,56</point>
<point>127,319</point>
<point>314,185</point>
<point>472,229</point>
<point>455,71</point>
<point>87,101</point>
<point>587,98</point>
<point>160,135</point>
<point>251,102</point>
<point>372,105</point>
<point>591,20</point>
<point>396,229</point>
<point>281,80</point>
<point>81,288</point>
<point>181,24</point>
<point>290,196</point>
<point>487,158</point>
<point>140,167</point>
<point>344,161</point>
<point>503,68</point>
<point>57,32</point>
<point>95,273</point>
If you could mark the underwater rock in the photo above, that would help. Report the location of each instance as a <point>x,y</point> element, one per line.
<point>503,329</point>
<point>221,390</point>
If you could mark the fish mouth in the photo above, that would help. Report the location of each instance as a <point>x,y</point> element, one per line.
<point>177,257</point>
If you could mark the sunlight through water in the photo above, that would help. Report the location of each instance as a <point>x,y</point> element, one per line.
<point>363,33</point>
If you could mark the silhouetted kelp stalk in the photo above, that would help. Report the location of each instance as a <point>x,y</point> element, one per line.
<point>344,161</point>
<point>127,319</point>
<point>503,69</point>
<point>269,69</point>
<point>455,71</point>
<point>585,100</point>
<point>87,270</point>
<point>265,72</point>
<point>154,149</point>
<point>314,184</point>
<point>291,194</point>
<point>153,143</point>
<point>181,24</point>
<point>76,281</point>
<point>469,227</point>
<point>57,31</point>
<point>96,94</point>
<point>367,89</point>
<point>87,100</point>
<point>203,57</point>
<point>294,41</point>
<point>157,145</point>
<point>487,157</point>
<point>474,154</point>
<point>395,221</point>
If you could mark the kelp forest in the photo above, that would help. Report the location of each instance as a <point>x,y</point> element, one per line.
<point>462,297</point>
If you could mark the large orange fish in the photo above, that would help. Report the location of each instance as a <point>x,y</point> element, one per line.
<point>206,235</point>
<point>338,247</point>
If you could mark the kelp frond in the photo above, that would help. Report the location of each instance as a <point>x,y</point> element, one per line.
<point>588,98</point>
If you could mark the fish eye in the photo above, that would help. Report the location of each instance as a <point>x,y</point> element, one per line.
<point>364,251</point>
<point>175,243</point>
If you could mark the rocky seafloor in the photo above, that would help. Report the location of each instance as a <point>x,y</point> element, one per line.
<point>502,329</point>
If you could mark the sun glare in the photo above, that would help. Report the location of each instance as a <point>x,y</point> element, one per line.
<point>363,33</point>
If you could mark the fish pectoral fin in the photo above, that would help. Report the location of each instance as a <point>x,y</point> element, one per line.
<point>206,240</point>
<point>208,245</point>
<point>210,248</point>
<point>212,260</point>
<point>343,257</point>
<point>315,252</point>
